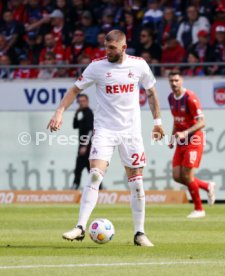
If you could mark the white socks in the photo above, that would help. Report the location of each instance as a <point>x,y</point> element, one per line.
<point>137,202</point>
<point>89,196</point>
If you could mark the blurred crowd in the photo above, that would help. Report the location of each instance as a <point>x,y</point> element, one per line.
<point>72,32</point>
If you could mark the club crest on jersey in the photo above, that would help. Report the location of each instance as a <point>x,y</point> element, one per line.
<point>130,74</point>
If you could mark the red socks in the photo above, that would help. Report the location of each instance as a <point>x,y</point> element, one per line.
<point>194,191</point>
<point>202,184</point>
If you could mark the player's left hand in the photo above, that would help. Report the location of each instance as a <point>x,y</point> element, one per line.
<point>158,133</point>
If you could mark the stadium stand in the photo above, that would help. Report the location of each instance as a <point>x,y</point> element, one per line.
<point>166,31</point>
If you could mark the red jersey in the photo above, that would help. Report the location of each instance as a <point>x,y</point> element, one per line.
<point>173,55</point>
<point>72,53</point>
<point>98,52</point>
<point>59,52</point>
<point>185,110</point>
<point>57,33</point>
<point>19,14</point>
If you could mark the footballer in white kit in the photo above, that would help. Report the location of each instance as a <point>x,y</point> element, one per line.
<point>117,120</point>
<point>116,123</point>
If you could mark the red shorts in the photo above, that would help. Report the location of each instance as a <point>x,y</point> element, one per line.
<point>188,156</point>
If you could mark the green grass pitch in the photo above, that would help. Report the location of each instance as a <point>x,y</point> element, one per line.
<point>31,243</point>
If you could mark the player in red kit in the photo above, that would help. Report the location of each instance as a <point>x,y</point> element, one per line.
<point>187,131</point>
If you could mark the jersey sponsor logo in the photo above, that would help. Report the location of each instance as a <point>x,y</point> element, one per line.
<point>179,119</point>
<point>182,108</point>
<point>219,94</point>
<point>119,88</point>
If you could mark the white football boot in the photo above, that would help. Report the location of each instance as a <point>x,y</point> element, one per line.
<point>76,233</point>
<point>141,239</point>
<point>211,193</point>
<point>196,214</point>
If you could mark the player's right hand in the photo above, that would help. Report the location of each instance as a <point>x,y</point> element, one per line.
<point>55,122</point>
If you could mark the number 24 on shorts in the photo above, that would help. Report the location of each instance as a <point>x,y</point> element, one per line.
<point>138,159</point>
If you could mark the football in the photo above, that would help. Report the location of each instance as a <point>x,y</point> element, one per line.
<point>101,230</point>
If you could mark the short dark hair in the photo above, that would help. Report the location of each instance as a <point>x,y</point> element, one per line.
<point>82,95</point>
<point>174,72</point>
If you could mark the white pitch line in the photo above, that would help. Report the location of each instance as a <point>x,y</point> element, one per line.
<point>114,264</point>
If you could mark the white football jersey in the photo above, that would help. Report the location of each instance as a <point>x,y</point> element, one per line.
<point>117,91</point>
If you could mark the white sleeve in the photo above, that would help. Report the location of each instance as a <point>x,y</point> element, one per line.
<point>147,79</point>
<point>204,23</point>
<point>87,78</point>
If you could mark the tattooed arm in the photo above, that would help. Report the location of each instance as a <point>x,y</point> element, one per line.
<point>153,101</point>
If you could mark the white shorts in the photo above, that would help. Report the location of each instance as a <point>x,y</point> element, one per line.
<point>130,146</point>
